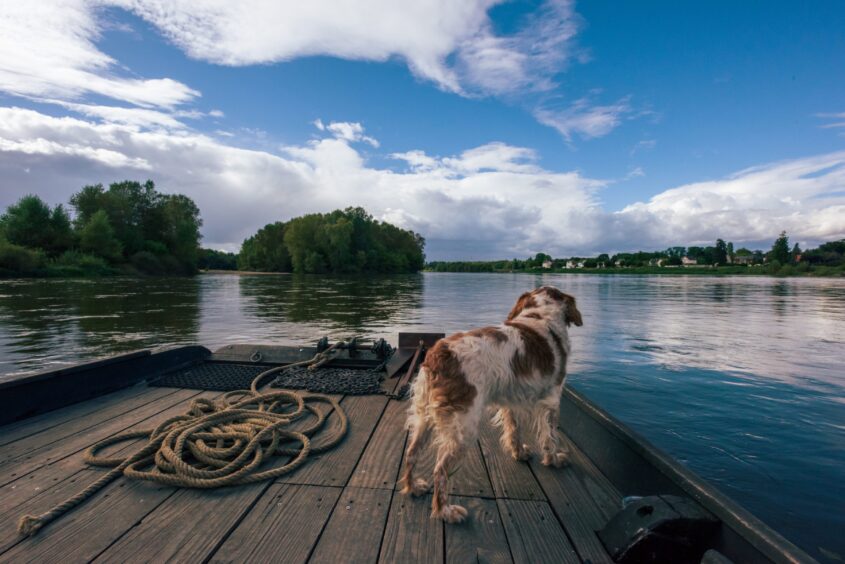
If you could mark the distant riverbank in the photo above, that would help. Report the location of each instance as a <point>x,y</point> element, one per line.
<point>762,270</point>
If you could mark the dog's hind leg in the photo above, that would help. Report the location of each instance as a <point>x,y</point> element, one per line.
<point>511,440</point>
<point>419,432</point>
<point>448,454</point>
<point>547,419</point>
<point>419,425</point>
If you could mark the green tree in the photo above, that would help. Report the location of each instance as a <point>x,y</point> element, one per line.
<point>32,224</point>
<point>97,237</point>
<point>61,232</point>
<point>796,252</point>
<point>165,227</point>
<point>780,249</point>
<point>24,223</point>
<point>343,241</point>
<point>720,253</point>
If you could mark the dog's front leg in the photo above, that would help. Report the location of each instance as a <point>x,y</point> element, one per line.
<point>548,418</point>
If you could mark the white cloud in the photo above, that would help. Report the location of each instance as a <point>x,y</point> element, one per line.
<point>838,121</point>
<point>47,50</point>
<point>489,201</point>
<point>348,131</point>
<point>635,172</point>
<point>585,118</point>
<point>806,197</point>
<point>136,117</point>
<point>424,33</point>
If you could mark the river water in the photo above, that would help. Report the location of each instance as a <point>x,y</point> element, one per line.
<point>740,378</point>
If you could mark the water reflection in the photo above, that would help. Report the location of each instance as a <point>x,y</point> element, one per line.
<point>741,378</point>
<point>351,303</point>
<point>54,322</point>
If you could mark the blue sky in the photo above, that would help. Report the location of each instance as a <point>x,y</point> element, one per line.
<point>495,129</point>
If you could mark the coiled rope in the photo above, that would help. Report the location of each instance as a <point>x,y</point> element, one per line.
<point>216,443</point>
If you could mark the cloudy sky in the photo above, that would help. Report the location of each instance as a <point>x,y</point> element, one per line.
<point>495,129</point>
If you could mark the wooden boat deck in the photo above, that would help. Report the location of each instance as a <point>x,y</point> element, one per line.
<point>339,507</point>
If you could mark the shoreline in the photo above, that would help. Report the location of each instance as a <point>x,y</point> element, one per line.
<point>656,271</point>
<point>242,272</point>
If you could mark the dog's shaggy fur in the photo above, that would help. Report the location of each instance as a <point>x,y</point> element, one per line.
<point>517,368</point>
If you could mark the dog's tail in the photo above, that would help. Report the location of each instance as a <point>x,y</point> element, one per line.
<point>419,399</point>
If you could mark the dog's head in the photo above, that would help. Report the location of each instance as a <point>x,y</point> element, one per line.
<point>547,301</point>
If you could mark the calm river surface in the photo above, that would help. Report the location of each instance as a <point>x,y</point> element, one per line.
<point>740,378</point>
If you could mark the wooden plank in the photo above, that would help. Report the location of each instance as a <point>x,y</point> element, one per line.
<point>104,411</point>
<point>534,534</point>
<point>187,526</point>
<point>334,467</point>
<point>510,479</point>
<point>605,495</point>
<point>354,531</point>
<point>82,534</point>
<point>411,535</point>
<point>31,425</point>
<point>481,538</point>
<point>282,527</point>
<point>46,487</point>
<point>379,465</point>
<point>575,509</point>
<point>469,478</point>
<point>11,470</point>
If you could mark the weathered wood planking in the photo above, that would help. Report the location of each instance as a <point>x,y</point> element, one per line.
<point>575,509</point>
<point>282,527</point>
<point>481,538</point>
<point>81,535</point>
<point>355,528</point>
<point>604,493</point>
<point>334,467</point>
<point>379,465</point>
<point>468,478</point>
<point>21,429</point>
<point>534,534</point>
<point>187,526</point>
<point>510,479</point>
<point>411,535</point>
<point>50,435</point>
<point>43,489</point>
<point>26,462</point>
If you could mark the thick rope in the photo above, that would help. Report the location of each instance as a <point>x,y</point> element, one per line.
<point>215,444</point>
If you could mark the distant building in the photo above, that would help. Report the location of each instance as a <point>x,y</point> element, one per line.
<point>618,262</point>
<point>656,262</point>
<point>547,264</point>
<point>743,259</point>
<point>575,264</point>
<point>686,261</point>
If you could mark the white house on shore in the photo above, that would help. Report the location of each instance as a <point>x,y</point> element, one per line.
<point>547,264</point>
<point>686,261</point>
<point>575,264</point>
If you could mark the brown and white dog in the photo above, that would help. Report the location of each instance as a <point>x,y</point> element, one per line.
<point>517,369</point>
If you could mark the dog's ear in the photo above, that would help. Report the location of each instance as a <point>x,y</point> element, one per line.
<point>572,314</point>
<point>526,300</point>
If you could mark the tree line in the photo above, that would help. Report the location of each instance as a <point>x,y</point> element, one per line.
<point>127,227</point>
<point>339,242</point>
<point>781,259</point>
